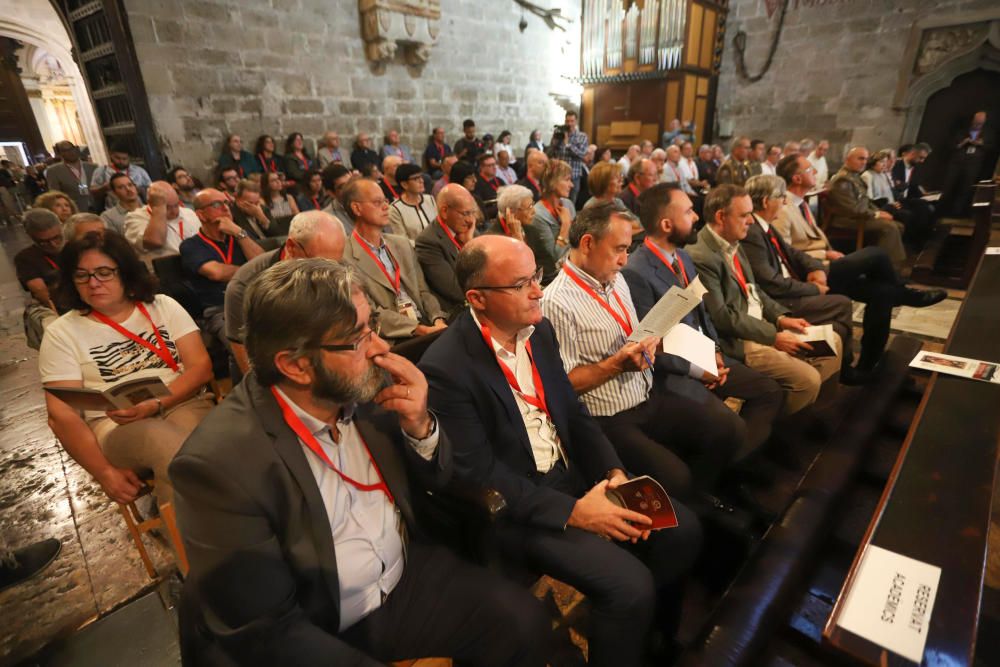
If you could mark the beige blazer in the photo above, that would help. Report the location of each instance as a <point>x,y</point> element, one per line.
<point>798,233</point>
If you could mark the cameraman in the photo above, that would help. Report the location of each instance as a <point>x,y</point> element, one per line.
<point>570,144</point>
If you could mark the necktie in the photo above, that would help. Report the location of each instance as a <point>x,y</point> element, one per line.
<point>676,266</point>
<point>807,214</point>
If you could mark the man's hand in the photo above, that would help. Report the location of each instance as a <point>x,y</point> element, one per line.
<point>423,329</point>
<point>121,484</point>
<point>793,324</point>
<point>156,198</point>
<point>833,255</point>
<point>135,413</point>
<point>883,215</point>
<point>616,478</point>
<point>256,211</point>
<point>596,514</point>
<point>817,277</point>
<point>227,226</point>
<point>407,396</point>
<point>712,381</point>
<point>822,287</point>
<point>632,356</point>
<point>786,341</point>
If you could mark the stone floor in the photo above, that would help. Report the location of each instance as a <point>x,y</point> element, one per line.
<point>44,493</point>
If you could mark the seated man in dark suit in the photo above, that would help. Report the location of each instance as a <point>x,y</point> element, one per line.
<point>295,499</point>
<point>518,426</point>
<point>668,216</point>
<point>438,244</point>
<point>790,276</point>
<point>907,186</point>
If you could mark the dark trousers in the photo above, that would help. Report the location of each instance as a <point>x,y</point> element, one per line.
<point>446,607</point>
<point>762,399</point>
<point>684,444</point>
<point>962,174</point>
<point>919,223</point>
<point>868,276</point>
<point>630,587</point>
<point>834,309</point>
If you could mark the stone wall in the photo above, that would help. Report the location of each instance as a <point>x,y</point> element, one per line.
<point>253,67</point>
<point>835,71</point>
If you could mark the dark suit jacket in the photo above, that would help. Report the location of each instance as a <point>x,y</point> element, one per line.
<point>488,195</point>
<point>535,193</point>
<point>727,306</point>
<point>382,294</point>
<point>766,265</point>
<point>899,185</point>
<point>263,566</point>
<point>437,254</point>
<point>472,400</point>
<point>648,280</point>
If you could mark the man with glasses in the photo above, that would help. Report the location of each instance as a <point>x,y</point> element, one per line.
<point>227,180</point>
<point>159,227</point>
<point>310,234</point>
<point>212,257</point>
<point>388,267</point>
<point>438,245</point>
<point>37,268</point>
<point>500,391</point>
<point>297,501</point>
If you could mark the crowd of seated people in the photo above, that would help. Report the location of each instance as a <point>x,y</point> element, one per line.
<point>524,278</point>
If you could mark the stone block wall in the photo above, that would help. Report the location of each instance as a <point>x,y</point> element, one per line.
<point>256,66</point>
<point>834,74</point>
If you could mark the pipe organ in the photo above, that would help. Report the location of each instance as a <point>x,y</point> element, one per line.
<point>645,63</point>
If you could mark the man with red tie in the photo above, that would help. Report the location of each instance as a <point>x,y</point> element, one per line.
<point>212,256</point>
<point>866,275</point>
<point>438,245</point>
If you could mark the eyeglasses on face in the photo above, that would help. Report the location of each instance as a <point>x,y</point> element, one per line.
<point>517,287</point>
<point>51,240</point>
<point>218,204</point>
<point>373,329</point>
<point>375,202</point>
<point>102,273</point>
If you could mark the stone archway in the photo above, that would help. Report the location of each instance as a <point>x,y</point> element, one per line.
<point>36,22</point>
<point>938,51</point>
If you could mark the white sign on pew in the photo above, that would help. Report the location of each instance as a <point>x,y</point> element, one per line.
<point>890,602</point>
<point>993,250</point>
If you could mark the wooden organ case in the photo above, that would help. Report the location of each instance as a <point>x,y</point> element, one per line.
<point>647,62</point>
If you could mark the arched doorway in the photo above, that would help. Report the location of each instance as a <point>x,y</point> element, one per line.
<point>949,110</point>
<point>37,26</point>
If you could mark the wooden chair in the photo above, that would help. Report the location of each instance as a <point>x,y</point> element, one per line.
<point>839,233</point>
<point>139,526</point>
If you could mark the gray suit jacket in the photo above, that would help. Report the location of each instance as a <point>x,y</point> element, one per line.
<point>727,306</point>
<point>437,254</point>
<point>263,587</point>
<point>383,295</point>
<point>62,179</point>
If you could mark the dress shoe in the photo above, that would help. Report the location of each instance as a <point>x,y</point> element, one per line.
<point>27,562</point>
<point>853,377</point>
<point>918,298</point>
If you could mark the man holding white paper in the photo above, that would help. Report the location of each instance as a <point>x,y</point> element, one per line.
<point>667,215</point>
<point>751,325</point>
<point>591,310</point>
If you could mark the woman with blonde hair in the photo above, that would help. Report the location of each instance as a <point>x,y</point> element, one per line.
<point>57,202</point>
<point>548,233</point>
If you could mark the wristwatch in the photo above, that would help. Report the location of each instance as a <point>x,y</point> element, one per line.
<point>242,235</point>
<point>561,239</point>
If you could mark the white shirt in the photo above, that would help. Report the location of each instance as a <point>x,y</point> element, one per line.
<point>767,168</point>
<point>545,445</point>
<point>587,334</point>
<point>506,175</point>
<point>506,148</point>
<point>184,226</point>
<point>626,164</point>
<point>822,171</point>
<point>366,526</point>
<point>689,171</point>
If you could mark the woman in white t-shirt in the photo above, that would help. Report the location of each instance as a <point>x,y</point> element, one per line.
<point>119,329</point>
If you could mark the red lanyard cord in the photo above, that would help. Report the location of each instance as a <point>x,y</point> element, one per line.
<point>364,246</point>
<point>538,400</point>
<point>683,278</point>
<point>449,234</point>
<point>625,322</point>
<point>161,350</point>
<point>226,258</point>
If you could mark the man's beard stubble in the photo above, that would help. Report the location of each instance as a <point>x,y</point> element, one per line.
<point>338,389</point>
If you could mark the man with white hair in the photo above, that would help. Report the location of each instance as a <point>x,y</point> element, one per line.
<point>158,228</point>
<point>630,155</point>
<point>390,186</point>
<point>330,153</point>
<point>438,245</point>
<point>659,158</point>
<point>310,234</point>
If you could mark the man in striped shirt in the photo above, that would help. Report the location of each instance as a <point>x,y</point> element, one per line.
<point>591,310</point>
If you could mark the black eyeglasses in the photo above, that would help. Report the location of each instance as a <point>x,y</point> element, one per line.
<point>373,329</point>
<point>516,288</point>
<point>102,273</point>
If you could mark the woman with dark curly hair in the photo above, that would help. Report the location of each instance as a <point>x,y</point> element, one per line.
<point>270,162</point>
<point>119,329</point>
<point>297,160</point>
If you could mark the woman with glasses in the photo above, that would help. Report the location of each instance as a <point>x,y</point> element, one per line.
<point>515,210</point>
<point>548,234</point>
<point>119,329</point>
<point>413,211</point>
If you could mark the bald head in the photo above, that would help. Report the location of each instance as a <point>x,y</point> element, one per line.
<point>500,281</point>
<point>487,260</point>
<point>315,234</point>
<point>536,164</point>
<point>389,166</point>
<point>457,207</point>
<point>856,159</point>
<point>203,198</point>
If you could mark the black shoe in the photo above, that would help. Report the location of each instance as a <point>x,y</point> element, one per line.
<point>917,298</point>
<point>857,376</point>
<point>28,562</point>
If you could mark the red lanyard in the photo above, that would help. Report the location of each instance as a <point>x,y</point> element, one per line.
<point>180,222</point>
<point>781,253</point>
<point>538,400</point>
<point>635,190</point>
<point>492,183</point>
<point>395,195</point>
<point>268,165</point>
<point>683,278</point>
<point>449,234</point>
<point>161,350</point>
<point>554,210</point>
<point>503,225</point>
<point>740,277</point>
<point>295,423</point>
<point>303,161</point>
<point>440,149</point>
<point>228,257</point>
<point>378,262</point>
<point>51,263</point>
<point>626,322</point>
<point>534,184</point>
<point>677,174</point>
<point>315,202</point>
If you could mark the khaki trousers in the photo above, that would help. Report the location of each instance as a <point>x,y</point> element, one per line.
<point>150,444</point>
<point>801,379</point>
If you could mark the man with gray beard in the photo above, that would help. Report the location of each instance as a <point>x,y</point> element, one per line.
<point>294,498</point>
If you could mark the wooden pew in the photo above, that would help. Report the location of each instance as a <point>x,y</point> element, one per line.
<point>936,505</point>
